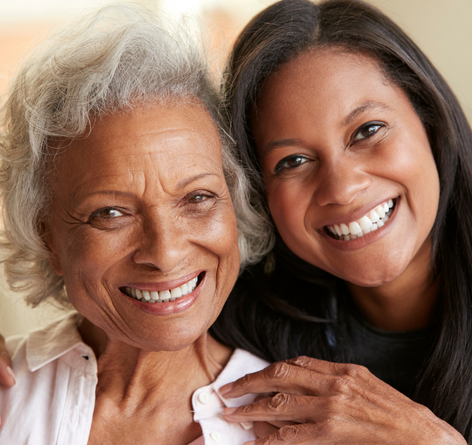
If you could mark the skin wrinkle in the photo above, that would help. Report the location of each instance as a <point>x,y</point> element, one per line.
<point>154,233</point>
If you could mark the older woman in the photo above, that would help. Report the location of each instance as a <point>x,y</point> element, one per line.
<point>119,201</point>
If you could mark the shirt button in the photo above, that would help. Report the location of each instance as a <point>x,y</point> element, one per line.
<point>215,437</point>
<point>204,398</point>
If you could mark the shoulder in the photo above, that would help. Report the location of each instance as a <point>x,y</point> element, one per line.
<point>51,375</point>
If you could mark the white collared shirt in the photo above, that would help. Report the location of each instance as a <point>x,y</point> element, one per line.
<point>53,400</point>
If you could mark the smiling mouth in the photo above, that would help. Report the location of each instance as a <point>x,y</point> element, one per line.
<point>370,222</point>
<point>163,296</point>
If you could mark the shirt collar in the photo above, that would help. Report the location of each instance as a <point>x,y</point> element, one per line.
<point>47,344</point>
<point>240,364</point>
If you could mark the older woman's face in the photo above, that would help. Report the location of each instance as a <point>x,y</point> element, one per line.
<point>140,209</point>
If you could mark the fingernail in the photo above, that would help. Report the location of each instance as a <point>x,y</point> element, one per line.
<point>229,411</point>
<point>12,374</point>
<point>226,389</point>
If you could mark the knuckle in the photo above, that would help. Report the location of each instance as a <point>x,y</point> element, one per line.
<point>303,361</point>
<point>244,381</point>
<point>356,371</point>
<point>279,402</point>
<point>290,433</point>
<point>278,371</point>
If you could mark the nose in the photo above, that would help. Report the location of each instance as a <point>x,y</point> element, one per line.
<point>340,181</point>
<point>162,243</point>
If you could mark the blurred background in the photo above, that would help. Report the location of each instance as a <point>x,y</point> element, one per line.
<point>442,30</point>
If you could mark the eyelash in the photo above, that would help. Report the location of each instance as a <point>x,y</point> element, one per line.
<point>366,126</point>
<point>97,213</point>
<point>283,164</point>
<point>205,195</point>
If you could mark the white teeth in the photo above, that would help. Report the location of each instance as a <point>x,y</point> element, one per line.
<point>354,228</point>
<point>365,223</point>
<point>374,216</point>
<point>165,295</point>
<point>380,210</point>
<point>176,293</point>
<point>344,229</point>
<point>371,222</point>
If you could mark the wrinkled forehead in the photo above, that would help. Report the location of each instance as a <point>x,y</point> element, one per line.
<point>173,140</point>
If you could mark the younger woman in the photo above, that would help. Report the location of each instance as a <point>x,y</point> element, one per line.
<point>362,155</point>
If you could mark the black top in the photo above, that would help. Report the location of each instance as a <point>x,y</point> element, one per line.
<point>394,357</point>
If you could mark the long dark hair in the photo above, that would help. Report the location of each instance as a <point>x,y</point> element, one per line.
<point>258,315</point>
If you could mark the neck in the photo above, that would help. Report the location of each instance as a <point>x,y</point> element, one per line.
<point>404,304</point>
<point>127,372</point>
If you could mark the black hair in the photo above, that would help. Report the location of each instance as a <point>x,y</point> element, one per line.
<point>258,315</point>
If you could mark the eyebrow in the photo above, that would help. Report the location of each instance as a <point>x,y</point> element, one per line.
<point>279,144</point>
<point>370,105</point>
<point>187,181</point>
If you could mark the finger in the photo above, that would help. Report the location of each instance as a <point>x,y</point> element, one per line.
<point>322,366</point>
<point>281,408</point>
<point>7,377</point>
<point>278,377</point>
<point>262,429</point>
<point>292,435</point>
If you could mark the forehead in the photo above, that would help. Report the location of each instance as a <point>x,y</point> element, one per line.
<point>161,139</point>
<point>332,77</point>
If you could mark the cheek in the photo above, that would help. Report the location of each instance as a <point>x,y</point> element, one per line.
<point>288,202</point>
<point>223,243</point>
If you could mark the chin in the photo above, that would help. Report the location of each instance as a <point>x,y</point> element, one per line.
<point>375,278</point>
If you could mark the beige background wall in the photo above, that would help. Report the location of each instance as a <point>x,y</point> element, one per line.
<point>441,28</point>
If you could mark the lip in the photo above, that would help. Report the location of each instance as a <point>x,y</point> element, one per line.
<point>165,285</point>
<point>368,239</point>
<point>356,215</point>
<point>172,307</point>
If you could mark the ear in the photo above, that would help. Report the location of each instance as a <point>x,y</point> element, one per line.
<point>48,239</point>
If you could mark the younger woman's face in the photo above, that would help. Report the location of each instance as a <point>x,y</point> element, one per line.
<point>351,181</point>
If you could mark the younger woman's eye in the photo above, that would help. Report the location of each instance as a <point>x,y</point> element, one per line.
<point>367,130</point>
<point>290,162</point>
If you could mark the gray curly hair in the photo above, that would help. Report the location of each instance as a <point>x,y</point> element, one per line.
<point>102,64</point>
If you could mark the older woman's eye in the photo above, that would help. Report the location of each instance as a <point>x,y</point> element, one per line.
<point>290,162</point>
<point>367,130</point>
<point>107,213</point>
<point>198,198</point>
